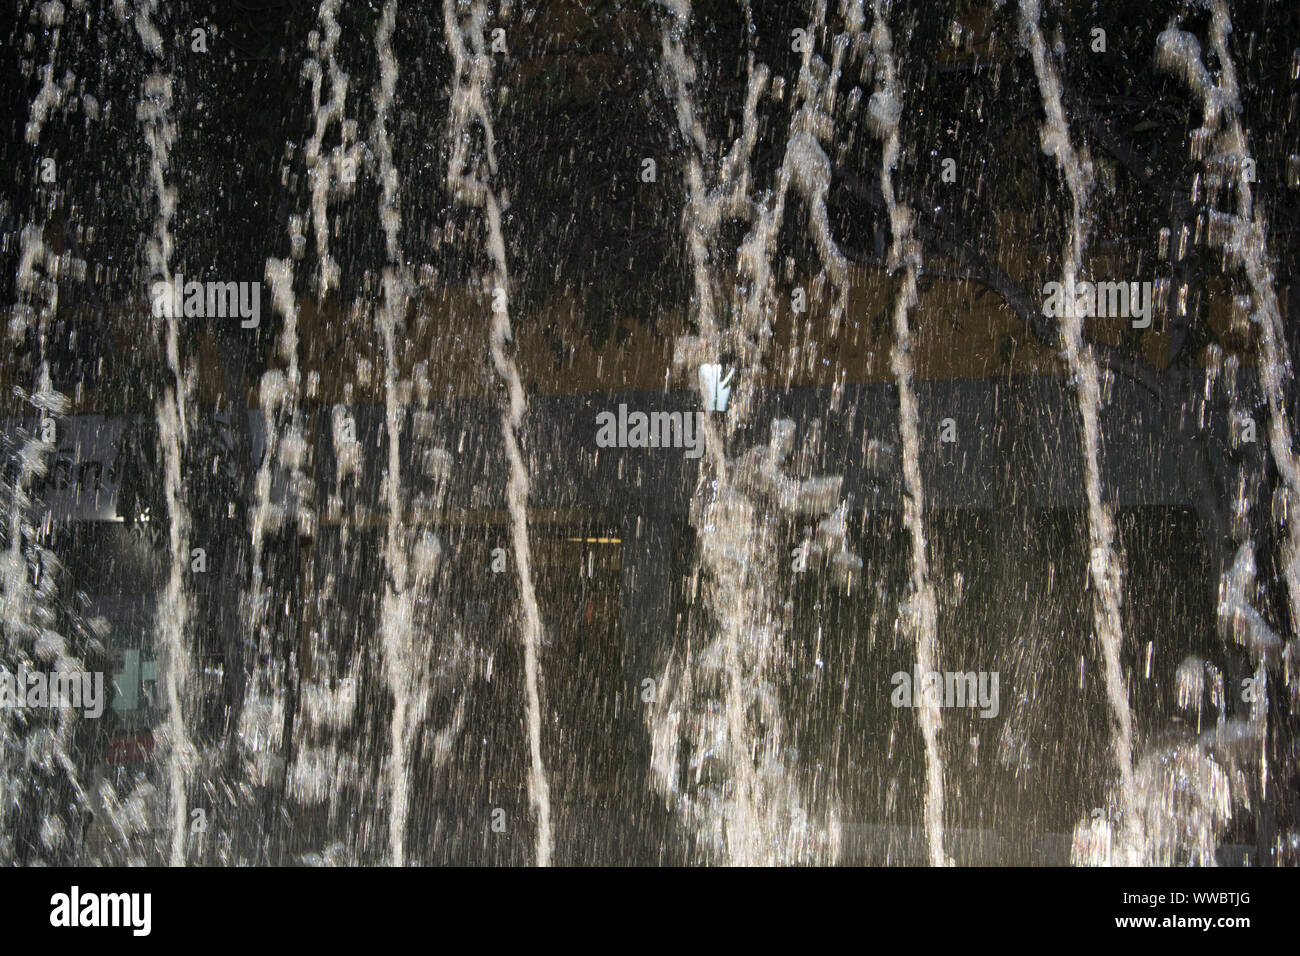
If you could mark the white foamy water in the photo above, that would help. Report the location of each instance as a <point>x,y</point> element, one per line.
<point>411,553</point>
<point>333,173</point>
<point>154,115</point>
<point>354,678</point>
<point>283,494</point>
<point>51,94</point>
<point>1241,234</point>
<point>719,717</point>
<point>472,81</point>
<point>402,663</point>
<point>921,609</point>
<point>1103,563</point>
<point>27,568</point>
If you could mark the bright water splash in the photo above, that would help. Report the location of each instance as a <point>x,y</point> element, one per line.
<point>471,86</point>
<point>721,703</point>
<point>1103,563</point>
<point>31,749</point>
<point>724,713</point>
<point>402,660</point>
<point>411,554</point>
<point>332,173</point>
<point>51,94</point>
<point>329,691</point>
<point>154,114</point>
<point>1221,143</point>
<point>921,610</point>
<point>263,718</point>
<point>323,769</point>
<point>1242,237</point>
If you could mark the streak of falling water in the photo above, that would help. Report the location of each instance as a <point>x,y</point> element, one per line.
<point>154,114</point>
<point>757,814</point>
<point>404,661</point>
<point>1243,238</point>
<point>728,748</point>
<point>472,81</point>
<point>334,172</point>
<point>24,607</point>
<point>324,766</point>
<point>263,718</point>
<point>739,834</point>
<point>1103,563</point>
<point>50,95</point>
<point>884,109</point>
